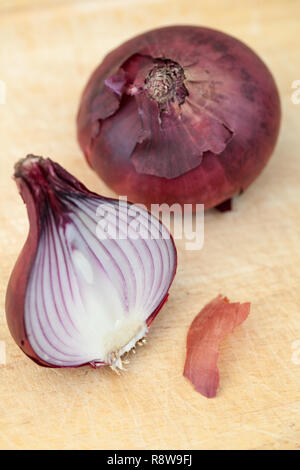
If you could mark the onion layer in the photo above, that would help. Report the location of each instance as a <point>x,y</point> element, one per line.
<point>93,273</point>
<point>181,114</point>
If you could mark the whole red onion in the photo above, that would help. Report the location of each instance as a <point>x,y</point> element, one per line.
<point>179,114</point>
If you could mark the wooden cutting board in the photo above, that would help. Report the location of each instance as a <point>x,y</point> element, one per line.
<point>47,51</point>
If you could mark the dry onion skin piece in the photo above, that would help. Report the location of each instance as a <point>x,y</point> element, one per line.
<point>217,319</point>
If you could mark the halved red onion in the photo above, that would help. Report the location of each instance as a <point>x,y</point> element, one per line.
<point>216,320</point>
<point>93,273</point>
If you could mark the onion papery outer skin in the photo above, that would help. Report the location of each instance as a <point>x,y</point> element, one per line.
<point>217,319</point>
<point>236,90</point>
<point>42,184</point>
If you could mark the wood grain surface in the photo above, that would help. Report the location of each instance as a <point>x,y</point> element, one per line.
<point>47,51</point>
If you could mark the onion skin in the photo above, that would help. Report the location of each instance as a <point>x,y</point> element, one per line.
<point>40,186</point>
<point>236,89</point>
<point>216,320</point>
<point>16,289</point>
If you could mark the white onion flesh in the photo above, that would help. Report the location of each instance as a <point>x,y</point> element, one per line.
<point>89,296</point>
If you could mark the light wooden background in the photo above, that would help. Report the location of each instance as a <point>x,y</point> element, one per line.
<point>47,51</point>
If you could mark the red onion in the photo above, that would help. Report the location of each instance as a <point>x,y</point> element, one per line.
<point>180,114</point>
<point>93,273</point>
<point>216,320</point>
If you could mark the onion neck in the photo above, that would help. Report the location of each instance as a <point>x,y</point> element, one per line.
<point>48,183</point>
<point>39,176</point>
<point>165,83</point>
